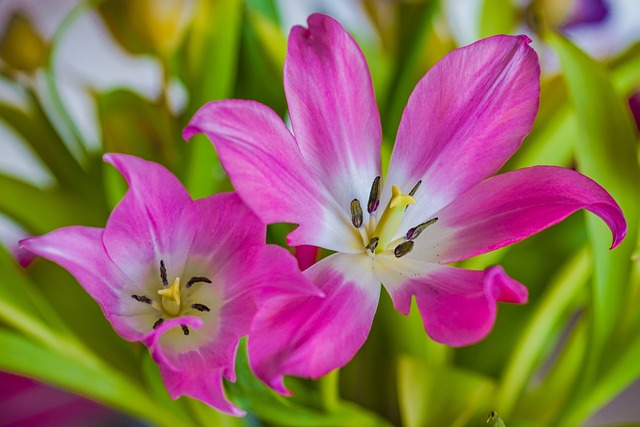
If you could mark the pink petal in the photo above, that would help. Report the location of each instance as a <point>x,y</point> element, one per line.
<point>198,373</point>
<point>464,119</point>
<point>268,171</point>
<point>142,228</point>
<point>333,108</point>
<point>231,240</point>
<point>458,306</point>
<point>311,336</point>
<point>79,250</point>
<point>510,207</point>
<point>222,225</point>
<point>306,256</point>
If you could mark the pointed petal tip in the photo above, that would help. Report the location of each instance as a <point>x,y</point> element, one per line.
<point>618,236</point>
<point>525,38</point>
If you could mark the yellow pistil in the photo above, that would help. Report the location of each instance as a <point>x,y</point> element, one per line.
<point>171,298</point>
<point>391,217</point>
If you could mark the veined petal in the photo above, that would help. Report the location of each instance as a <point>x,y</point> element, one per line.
<point>268,171</point>
<point>142,229</point>
<point>230,239</point>
<point>79,250</point>
<point>197,373</point>
<point>333,108</point>
<point>510,207</point>
<point>222,225</point>
<point>458,306</point>
<point>464,119</point>
<point>311,336</point>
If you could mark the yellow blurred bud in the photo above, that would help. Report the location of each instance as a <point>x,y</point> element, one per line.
<point>147,26</point>
<point>554,12</point>
<point>21,46</point>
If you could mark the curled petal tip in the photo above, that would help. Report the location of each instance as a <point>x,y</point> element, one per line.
<point>526,38</point>
<point>618,236</point>
<point>506,289</point>
<point>189,132</point>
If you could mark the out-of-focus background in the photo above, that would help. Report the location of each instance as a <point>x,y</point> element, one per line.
<point>126,75</point>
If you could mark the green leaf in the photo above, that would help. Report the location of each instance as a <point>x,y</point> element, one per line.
<point>545,402</point>
<point>619,375</point>
<point>209,68</point>
<point>530,349</point>
<point>23,357</point>
<point>554,134</point>
<point>433,395</point>
<point>46,209</point>
<point>254,396</point>
<point>134,125</point>
<point>43,140</point>
<point>415,28</point>
<point>605,152</point>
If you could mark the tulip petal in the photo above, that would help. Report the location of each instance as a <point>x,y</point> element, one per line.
<point>333,108</point>
<point>311,336</point>
<point>267,169</point>
<point>458,306</point>
<point>464,119</point>
<point>510,207</point>
<point>79,250</point>
<point>197,373</point>
<point>142,229</point>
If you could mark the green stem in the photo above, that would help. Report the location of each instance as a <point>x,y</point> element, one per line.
<point>330,390</point>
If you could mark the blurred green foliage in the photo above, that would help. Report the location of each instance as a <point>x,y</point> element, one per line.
<point>555,361</point>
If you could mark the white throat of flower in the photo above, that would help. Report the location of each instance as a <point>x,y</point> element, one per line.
<point>173,298</point>
<point>377,235</point>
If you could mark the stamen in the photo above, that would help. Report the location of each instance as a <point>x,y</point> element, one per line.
<point>403,248</point>
<point>415,188</point>
<point>185,329</point>
<point>196,279</point>
<point>356,213</point>
<point>392,217</point>
<point>414,232</point>
<point>200,307</point>
<point>374,196</point>
<point>163,274</point>
<point>159,322</point>
<point>373,244</point>
<point>141,298</point>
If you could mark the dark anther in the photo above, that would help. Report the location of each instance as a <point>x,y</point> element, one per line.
<point>185,329</point>
<point>356,213</point>
<point>195,280</point>
<point>413,191</point>
<point>403,248</point>
<point>163,274</point>
<point>414,232</point>
<point>415,188</point>
<point>200,307</point>
<point>141,298</point>
<point>374,196</point>
<point>373,244</point>
<point>159,322</point>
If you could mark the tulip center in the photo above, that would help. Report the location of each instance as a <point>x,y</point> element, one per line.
<point>174,298</point>
<point>378,235</point>
<point>391,218</point>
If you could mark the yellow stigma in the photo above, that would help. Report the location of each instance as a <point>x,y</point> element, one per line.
<point>399,199</point>
<point>392,217</point>
<point>171,298</point>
